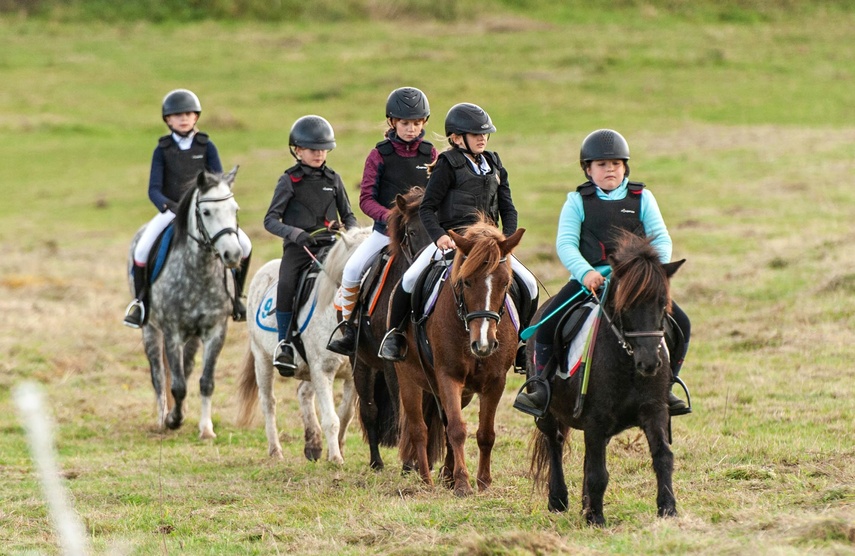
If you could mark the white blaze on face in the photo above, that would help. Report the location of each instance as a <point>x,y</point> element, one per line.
<point>485,323</point>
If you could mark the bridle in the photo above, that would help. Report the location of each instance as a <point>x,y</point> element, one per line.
<point>623,336</point>
<point>468,316</point>
<point>406,245</point>
<point>207,241</point>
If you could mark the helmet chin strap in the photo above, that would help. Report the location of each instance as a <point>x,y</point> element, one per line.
<point>468,150</point>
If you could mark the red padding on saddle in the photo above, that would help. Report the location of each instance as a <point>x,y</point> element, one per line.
<point>380,285</point>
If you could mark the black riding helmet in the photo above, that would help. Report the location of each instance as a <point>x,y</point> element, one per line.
<point>312,132</point>
<point>407,103</point>
<point>180,101</point>
<point>604,144</point>
<point>466,118</point>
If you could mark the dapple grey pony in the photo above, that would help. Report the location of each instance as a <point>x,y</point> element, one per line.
<point>191,299</point>
<point>316,320</point>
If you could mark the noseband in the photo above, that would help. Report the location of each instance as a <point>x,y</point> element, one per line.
<point>207,242</point>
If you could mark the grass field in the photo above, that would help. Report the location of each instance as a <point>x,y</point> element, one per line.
<point>741,126</point>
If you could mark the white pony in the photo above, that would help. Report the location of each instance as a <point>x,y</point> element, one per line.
<point>316,321</point>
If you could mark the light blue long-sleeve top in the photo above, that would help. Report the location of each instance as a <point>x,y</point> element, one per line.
<point>570,229</point>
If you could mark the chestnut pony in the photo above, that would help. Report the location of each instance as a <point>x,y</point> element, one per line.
<point>473,343</point>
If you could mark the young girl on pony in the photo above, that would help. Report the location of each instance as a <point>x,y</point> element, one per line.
<point>395,165</point>
<point>177,160</point>
<point>608,201</point>
<point>466,179</point>
<point>309,205</point>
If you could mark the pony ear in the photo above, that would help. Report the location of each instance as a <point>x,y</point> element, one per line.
<point>671,268</point>
<point>510,243</point>
<point>401,203</point>
<point>201,179</point>
<point>230,177</point>
<point>462,243</point>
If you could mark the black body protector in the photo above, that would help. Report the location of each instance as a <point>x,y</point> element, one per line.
<point>399,173</point>
<point>603,218</point>
<point>313,204</point>
<point>471,192</point>
<point>181,167</point>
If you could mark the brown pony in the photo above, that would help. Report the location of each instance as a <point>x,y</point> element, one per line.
<point>374,378</point>
<point>473,347</point>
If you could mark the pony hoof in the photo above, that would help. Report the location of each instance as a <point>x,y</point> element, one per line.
<point>558,506</point>
<point>376,465</point>
<point>337,460</point>
<point>207,435</point>
<point>463,491</point>
<point>312,454</point>
<point>595,520</point>
<point>668,512</point>
<point>173,423</point>
<point>276,453</point>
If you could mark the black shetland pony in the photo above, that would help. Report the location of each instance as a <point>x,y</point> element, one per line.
<point>628,385</point>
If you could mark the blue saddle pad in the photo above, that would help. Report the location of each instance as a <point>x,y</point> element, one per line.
<point>163,244</point>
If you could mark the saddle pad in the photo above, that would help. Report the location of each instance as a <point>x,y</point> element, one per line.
<point>265,315</point>
<point>575,350</point>
<point>159,252</point>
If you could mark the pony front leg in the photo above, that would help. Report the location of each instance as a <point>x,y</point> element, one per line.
<point>153,342</point>
<point>323,383</point>
<point>412,445</point>
<point>346,409</point>
<point>552,441</point>
<point>663,463</point>
<point>312,448</point>
<point>451,393</point>
<point>486,434</point>
<point>213,347</point>
<point>596,478</point>
<point>175,358</point>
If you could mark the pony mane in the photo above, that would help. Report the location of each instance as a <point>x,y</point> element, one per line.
<point>396,221</point>
<point>183,214</point>
<point>638,272</point>
<point>485,255</point>
<point>344,246</point>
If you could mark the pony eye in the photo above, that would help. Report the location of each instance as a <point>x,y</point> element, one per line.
<point>467,284</point>
<point>206,212</point>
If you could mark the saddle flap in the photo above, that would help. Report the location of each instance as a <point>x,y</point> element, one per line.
<point>427,287</point>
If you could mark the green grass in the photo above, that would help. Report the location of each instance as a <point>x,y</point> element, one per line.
<point>739,120</point>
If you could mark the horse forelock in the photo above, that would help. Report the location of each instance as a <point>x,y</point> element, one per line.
<point>484,257</point>
<point>397,220</point>
<point>182,218</point>
<point>638,274</point>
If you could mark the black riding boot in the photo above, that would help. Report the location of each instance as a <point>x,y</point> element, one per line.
<point>394,345</point>
<point>283,354</point>
<point>240,274</point>
<point>346,345</point>
<point>136,314</point>
<point>536,400</point>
